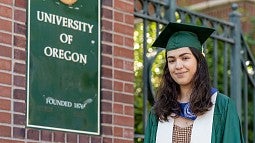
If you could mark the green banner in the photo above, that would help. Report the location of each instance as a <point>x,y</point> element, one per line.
<point>63,65</point>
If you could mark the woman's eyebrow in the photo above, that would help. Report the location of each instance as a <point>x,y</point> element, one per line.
<point>179,55</point>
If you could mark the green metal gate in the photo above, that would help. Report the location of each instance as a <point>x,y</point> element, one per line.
<point>230,60</point>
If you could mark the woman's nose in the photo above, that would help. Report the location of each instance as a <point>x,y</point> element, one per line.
<point>178,64</point>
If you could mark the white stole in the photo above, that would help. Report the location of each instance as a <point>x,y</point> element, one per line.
<point>201,130</point>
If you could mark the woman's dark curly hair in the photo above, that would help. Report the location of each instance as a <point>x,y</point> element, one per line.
<point>200,99</point>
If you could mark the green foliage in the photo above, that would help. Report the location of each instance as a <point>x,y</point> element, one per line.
<point>215,51</point>
<point>138,69</point>
<point>249,37</point>
<point>138,84</point>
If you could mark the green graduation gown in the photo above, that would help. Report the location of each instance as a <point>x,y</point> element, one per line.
<point>226,126</point>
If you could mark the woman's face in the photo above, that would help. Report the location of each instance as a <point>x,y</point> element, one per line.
<point>182,65</point>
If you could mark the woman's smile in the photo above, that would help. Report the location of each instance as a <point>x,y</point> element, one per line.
<point>180,74</point>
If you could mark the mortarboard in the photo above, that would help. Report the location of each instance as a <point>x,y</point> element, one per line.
<point>177,35</point>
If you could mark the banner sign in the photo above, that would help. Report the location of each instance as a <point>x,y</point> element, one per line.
<point>63,65</point>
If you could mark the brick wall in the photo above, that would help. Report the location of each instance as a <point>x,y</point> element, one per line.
<point>117,111</point>
<point>246,8</point>
<point>188,2</point>
<point>222,11</point>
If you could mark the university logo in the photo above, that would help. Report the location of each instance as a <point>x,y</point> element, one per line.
<point>68,2</point>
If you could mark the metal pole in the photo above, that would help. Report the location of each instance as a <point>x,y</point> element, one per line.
<point>145,75</point>
<point>172,9</point>
<point>236,59</point>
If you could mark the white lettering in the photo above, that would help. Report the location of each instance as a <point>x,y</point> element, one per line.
<point>76,25</point>
<point>83,58</point>
<point>65,55</point>
<point>47,18</point>
<point>75,57</point>
<point>64,38</point>
<point>68,58</point>
<point>39,17</point>
<point>64,22</point>
<point>68,104</point>
<point>90,28</point>
<point>59,19</point>
<point>52,101</point>
<point>61,54</point>
<point>49,53</point>
<point>55,52</point>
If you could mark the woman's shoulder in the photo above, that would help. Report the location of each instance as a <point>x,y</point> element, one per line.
<point>222,97</point>
<point>223,101</point>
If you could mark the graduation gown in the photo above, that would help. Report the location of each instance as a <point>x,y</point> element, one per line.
<point>224,126</point>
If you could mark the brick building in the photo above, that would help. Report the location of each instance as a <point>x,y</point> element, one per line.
<point>222,8</point>
<point>117,112</point>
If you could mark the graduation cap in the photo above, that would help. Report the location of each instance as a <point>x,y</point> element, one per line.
<point>178,35</point>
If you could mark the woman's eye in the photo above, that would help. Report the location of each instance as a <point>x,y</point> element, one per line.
<point>170,61</point>
<point>185,58</point>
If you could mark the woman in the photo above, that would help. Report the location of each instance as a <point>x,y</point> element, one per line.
<point>187,108</point>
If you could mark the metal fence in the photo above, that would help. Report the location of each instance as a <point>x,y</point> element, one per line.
<point>229,58</point>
